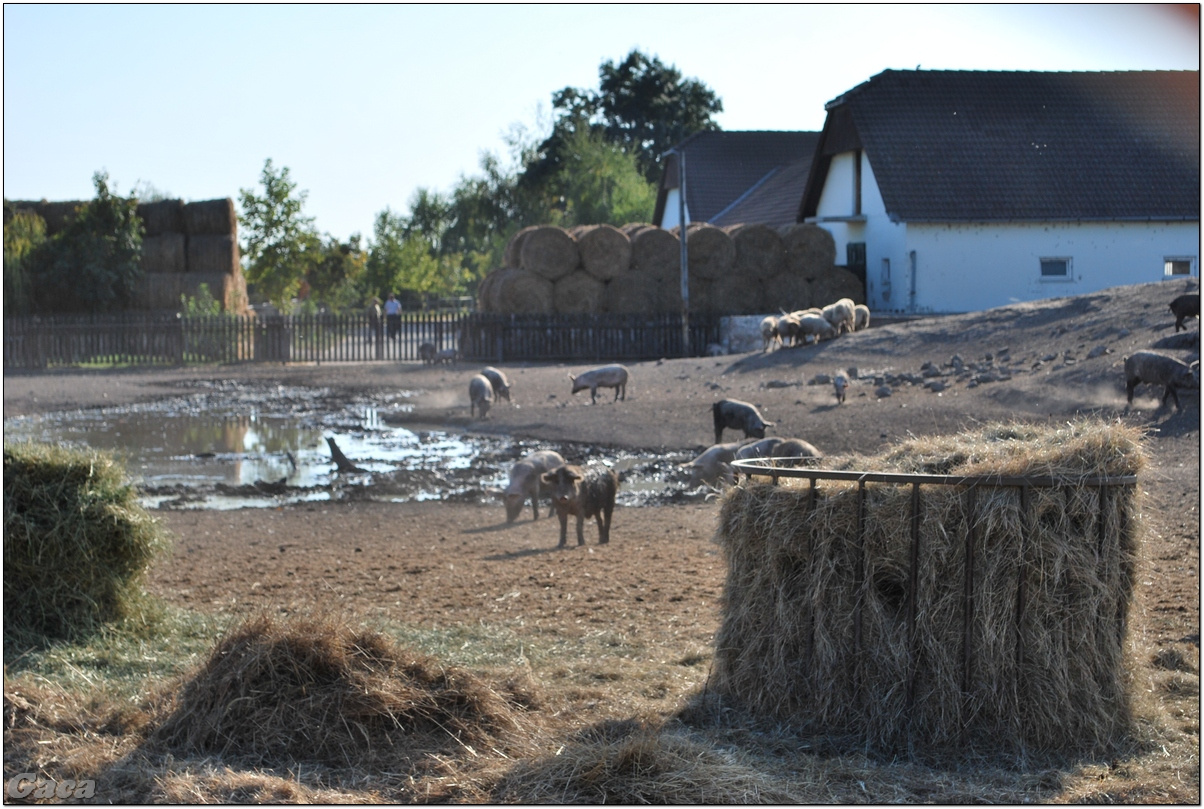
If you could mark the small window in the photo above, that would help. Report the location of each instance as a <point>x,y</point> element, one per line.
<point>884,278</point>
<point>1177,266</point>
<point>1055,269</point>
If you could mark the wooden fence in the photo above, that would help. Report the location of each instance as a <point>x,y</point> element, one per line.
<point>144,339</point>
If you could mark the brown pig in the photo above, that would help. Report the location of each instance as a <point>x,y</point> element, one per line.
<point>583,492</point>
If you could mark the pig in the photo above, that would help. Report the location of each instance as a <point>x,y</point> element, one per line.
<point>757,449</point>
<point>608,376</point>
<point>525,479</point>
<point>498,381</point>
<point>842,315</point>
<point>480,396</point>
<point>738,416</point>
<point>861,317</point>
<point>816,326</point>
<point>769,333</point>
<point>1184,307</point>
<point>583,492</point>
<point>426,353</point>
<point>840,381</point>
<point>713,466</point>
<point>1152,368</point>
<point>793,448</point>
<point>448,356</point>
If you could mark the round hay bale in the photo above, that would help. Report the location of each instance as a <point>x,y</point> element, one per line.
<point>211,217</point>
<point>737,295</point>
<point>712,252</point>
<point>164,216</point>
<point>212,254</point>
<point>514,248</point>
<point>633,293</point>
<point>520,293</point>
<point>760,252</point>
<point>786,292</point>
<point>701,296</point>
<point>577,293</point>
<point>549,252</point>
<point>829,287</point>
<point>656,252</point>
<point>605,251</point>
<point>632,227</point>
<point>164,253</point>
<point>810,250</point>
<point>487,290</point>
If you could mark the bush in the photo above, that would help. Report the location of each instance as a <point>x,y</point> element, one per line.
<point>76,541</point>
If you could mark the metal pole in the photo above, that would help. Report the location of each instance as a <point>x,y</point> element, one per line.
<point>685,255</point>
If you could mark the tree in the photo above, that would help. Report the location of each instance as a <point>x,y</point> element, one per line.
<point>400,259</point>
<point>281,245</point>
<point>600,183</point>
<point>641,104</point>
<point>334,277</point>
<point>24,234</point>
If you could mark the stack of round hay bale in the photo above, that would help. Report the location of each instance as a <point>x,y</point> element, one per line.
<point>594,269</point>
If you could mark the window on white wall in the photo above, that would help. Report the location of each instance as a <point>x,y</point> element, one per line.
<point>1055,269</point>
<point>1174,266</point>
<point>884,278</point>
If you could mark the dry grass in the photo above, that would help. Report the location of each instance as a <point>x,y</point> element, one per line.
<point>549,252</point>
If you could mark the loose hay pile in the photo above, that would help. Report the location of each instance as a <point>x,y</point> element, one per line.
<point>311,689</point>
<point>1021,653</point>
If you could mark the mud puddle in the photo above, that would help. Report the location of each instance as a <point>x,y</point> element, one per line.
<point>234,446</point>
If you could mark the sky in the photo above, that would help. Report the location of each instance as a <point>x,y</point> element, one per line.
<point>366,104</point>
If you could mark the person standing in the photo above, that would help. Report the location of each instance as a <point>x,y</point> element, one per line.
<point>393,316</point>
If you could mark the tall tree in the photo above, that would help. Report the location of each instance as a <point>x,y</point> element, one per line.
<point>600,183</point>
<point>281,244</point>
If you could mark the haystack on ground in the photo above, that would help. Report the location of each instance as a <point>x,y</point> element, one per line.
<point>760,253</point>
<point>164,253</point>
<point>577,293</point>
<point>635,293</point>
<point>737,294</point>
<point>786,292</point>
<point>514,248</point>
<point>702,297</point>
<point>485,289</point>
<point>310,689</point>
<point>829,287</point>
<point>844,633</point>
<point>522,292</point>
<point>711,251</point>
<point>211,217</point>
<point>164,216</point>
<point>631,228</point>
<point>549,252</point>
<point>810,250</point>
<point>605,251</point>
<point>212,254</point>
<point>656,252</point>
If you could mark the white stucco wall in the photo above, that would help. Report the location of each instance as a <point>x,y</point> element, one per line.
<point>670,218</point>
<point>968,267</point>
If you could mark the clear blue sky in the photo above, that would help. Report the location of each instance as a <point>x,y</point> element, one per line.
<point>365,104</point>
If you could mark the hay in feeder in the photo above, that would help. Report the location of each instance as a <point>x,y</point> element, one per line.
<point>549,252</point>
<point>760,253</point>
<point>164,216</point>
<point>310,689</point>
<point>577,293</point>
<point>832,625</point>
<point>164,253</point>
<point>212,254</point>
<point>810,250</point>
<point>605,250</point>
<point>711,251</point>
<point>829,287</point>
<point>514,248</point>
<point>211,217</point>
<point>786,292</point>
<point>656,252</point>
<point>524,293</point>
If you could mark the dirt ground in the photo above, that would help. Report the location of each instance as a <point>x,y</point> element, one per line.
<point>654,590</point>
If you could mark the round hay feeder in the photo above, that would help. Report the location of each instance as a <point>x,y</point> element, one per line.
<point>523,293</point>
<point>549,252</point>
<point>577,293</point>
<point>605,251</point>
<point>810,250</point>
<point>760,253</point>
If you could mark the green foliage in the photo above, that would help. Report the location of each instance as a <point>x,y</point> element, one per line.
<point>281,245</point>
<point>203,304</point>
<point>94,263</point>
<point>404,258</point>
<point>76,541</point>
<point>24,233</point>
<point>334,278</point>
<point>600,182</point>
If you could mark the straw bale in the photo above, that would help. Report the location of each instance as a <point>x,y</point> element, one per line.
<point>212,254</point>
<point>786,292</point>
<point>522,292</point>
<point>605,250</point>
<point>163,290</point>
<point>702,298</point>
<point>55,214</point>
<point>577,293</point>
<point>310,689</point>
<point>549,252</point>
<point>760,252</point>
<point>514,247</point>
<point>636,293</point>
<point>829,287</point>
<point>487,290</point>
<point>712,252</point>
<point>164,216</point>
<point>1053,681</point>
<point>737,295</point>
<point>211,217</point>
<point>631,228</point>
<point>164,253</point>
<point>656,252</point>
<point>810,250</point>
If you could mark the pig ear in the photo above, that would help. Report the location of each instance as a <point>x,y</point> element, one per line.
<point>573,474</point>
<point>770,424</point>
<point>549,477</point>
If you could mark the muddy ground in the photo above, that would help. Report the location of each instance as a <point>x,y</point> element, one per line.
<point>653,591</point>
